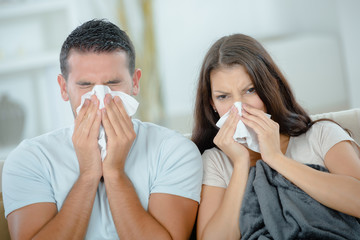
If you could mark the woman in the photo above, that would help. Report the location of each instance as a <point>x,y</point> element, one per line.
<point>238,69</point>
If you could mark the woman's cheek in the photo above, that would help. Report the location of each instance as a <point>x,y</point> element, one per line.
<point>224,110</point>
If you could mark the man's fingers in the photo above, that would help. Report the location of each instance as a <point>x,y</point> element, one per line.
<point>113,115</point>
<point>82,112</point>
<point>124,115</point>
<point>95,128</point>
<point>106,123</point>
<point>89,118</point>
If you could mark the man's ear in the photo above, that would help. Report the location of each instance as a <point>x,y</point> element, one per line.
<point>136,82</point>
<point>63,87</point>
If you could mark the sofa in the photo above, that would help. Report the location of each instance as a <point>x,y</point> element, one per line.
<point>349,119</point>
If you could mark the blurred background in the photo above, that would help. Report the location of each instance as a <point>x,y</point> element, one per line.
<point>314,42</point>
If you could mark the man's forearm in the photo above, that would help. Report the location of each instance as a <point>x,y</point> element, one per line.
<point>131,220</point>
<point>72,220</point>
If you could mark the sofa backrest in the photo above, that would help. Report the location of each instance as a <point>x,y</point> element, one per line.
<point>349,119</point>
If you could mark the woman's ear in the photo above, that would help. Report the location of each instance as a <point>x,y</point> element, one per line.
<point>213,105</point>
<point>63,87</point>
<point>136,82</point>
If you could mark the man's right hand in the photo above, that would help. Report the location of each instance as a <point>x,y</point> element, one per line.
<point>85,138</point>
<point>76,210</point>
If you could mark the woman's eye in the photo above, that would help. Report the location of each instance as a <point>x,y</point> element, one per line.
<point>220,97</point>
<point>251,90</point>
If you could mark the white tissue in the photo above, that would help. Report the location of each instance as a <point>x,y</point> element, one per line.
<point>243,134</point>
<point>130,105</point>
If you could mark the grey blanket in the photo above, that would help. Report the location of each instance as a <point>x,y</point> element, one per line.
<point>274,208</point>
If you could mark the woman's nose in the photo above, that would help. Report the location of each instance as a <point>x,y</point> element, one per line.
<point>237,99</point>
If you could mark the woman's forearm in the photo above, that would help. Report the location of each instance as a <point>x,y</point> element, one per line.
<point>339,192</point>
<point>224,224</point>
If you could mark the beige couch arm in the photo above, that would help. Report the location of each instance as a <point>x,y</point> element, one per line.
<point>349,119</point>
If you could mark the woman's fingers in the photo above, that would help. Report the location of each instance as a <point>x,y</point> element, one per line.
<point>227,131</point>
<point>254,111</point>
<point>257,116</point>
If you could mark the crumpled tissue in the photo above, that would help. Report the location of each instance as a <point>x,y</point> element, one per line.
<point>243,134</point>
<point>130,105</point>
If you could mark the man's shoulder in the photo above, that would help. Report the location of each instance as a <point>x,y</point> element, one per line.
<point>160,136</point>
<point>57,135</point>
<point>45,142</point>
<point>152,129</point>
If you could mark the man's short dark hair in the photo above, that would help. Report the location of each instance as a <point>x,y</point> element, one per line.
<point>97,36</point>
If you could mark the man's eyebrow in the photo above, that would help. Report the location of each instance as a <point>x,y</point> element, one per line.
<point>113,81</point>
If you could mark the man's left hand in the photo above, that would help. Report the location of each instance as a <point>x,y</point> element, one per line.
<point>120,134</point>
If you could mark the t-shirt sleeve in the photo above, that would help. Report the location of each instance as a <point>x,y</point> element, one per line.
<point>330,134</point>
<point>214,173</point>
<point>24,179</point>
<point>180,168</point>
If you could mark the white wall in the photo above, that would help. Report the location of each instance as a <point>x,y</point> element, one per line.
<point>306,39</point>
<point>312,63</point>
<point>349,19</point>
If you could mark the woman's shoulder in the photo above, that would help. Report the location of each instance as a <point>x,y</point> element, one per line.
<point>324,129</point>
<point>217,168</point>
<point>312,146</point>
<point>325,134</point>
<point>216,158</point>
<point>213,153</point>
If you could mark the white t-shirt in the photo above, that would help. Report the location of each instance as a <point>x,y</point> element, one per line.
<point>45,168</point>
<point>308,148</point>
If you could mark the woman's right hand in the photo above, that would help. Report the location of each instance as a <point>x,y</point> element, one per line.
<point>225,141</point>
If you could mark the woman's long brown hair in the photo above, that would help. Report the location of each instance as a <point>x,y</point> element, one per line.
<point>269,83</point>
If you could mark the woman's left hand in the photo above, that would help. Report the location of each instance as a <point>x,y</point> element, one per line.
<point>267,132</point>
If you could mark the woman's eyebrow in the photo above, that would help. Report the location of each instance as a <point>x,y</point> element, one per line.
<point>218,91</point>
<point>247,87</point>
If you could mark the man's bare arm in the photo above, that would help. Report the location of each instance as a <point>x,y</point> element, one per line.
<point>42,221</point>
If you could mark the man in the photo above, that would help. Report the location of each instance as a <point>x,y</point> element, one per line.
<point>56,186</point>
